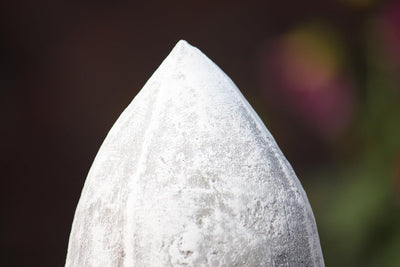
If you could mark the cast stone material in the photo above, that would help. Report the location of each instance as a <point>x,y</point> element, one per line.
<point>190,176</point>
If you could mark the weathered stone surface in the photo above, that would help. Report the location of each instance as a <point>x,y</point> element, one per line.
<point>190,176</point>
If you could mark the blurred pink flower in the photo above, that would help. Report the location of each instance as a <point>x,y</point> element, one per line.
<point>303,73</point>
<point>390,30</point>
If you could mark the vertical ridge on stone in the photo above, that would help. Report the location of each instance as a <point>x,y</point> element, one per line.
<point>190,176</point>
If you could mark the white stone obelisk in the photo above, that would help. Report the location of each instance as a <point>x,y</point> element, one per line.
<point>190,176</point>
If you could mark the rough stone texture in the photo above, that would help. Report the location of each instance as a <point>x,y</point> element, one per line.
<point>190,176</point>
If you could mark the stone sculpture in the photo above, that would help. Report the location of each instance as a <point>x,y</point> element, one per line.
<point>190,176</point>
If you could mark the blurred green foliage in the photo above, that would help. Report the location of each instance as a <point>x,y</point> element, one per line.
<point>357,206</point>
<point>350,103</point>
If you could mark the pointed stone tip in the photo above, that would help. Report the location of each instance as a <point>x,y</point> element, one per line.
<point>182,43</point>
<point>183,52</point>
<point>182,46</point>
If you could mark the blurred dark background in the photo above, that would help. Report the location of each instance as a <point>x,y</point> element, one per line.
<point>323,75</point>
